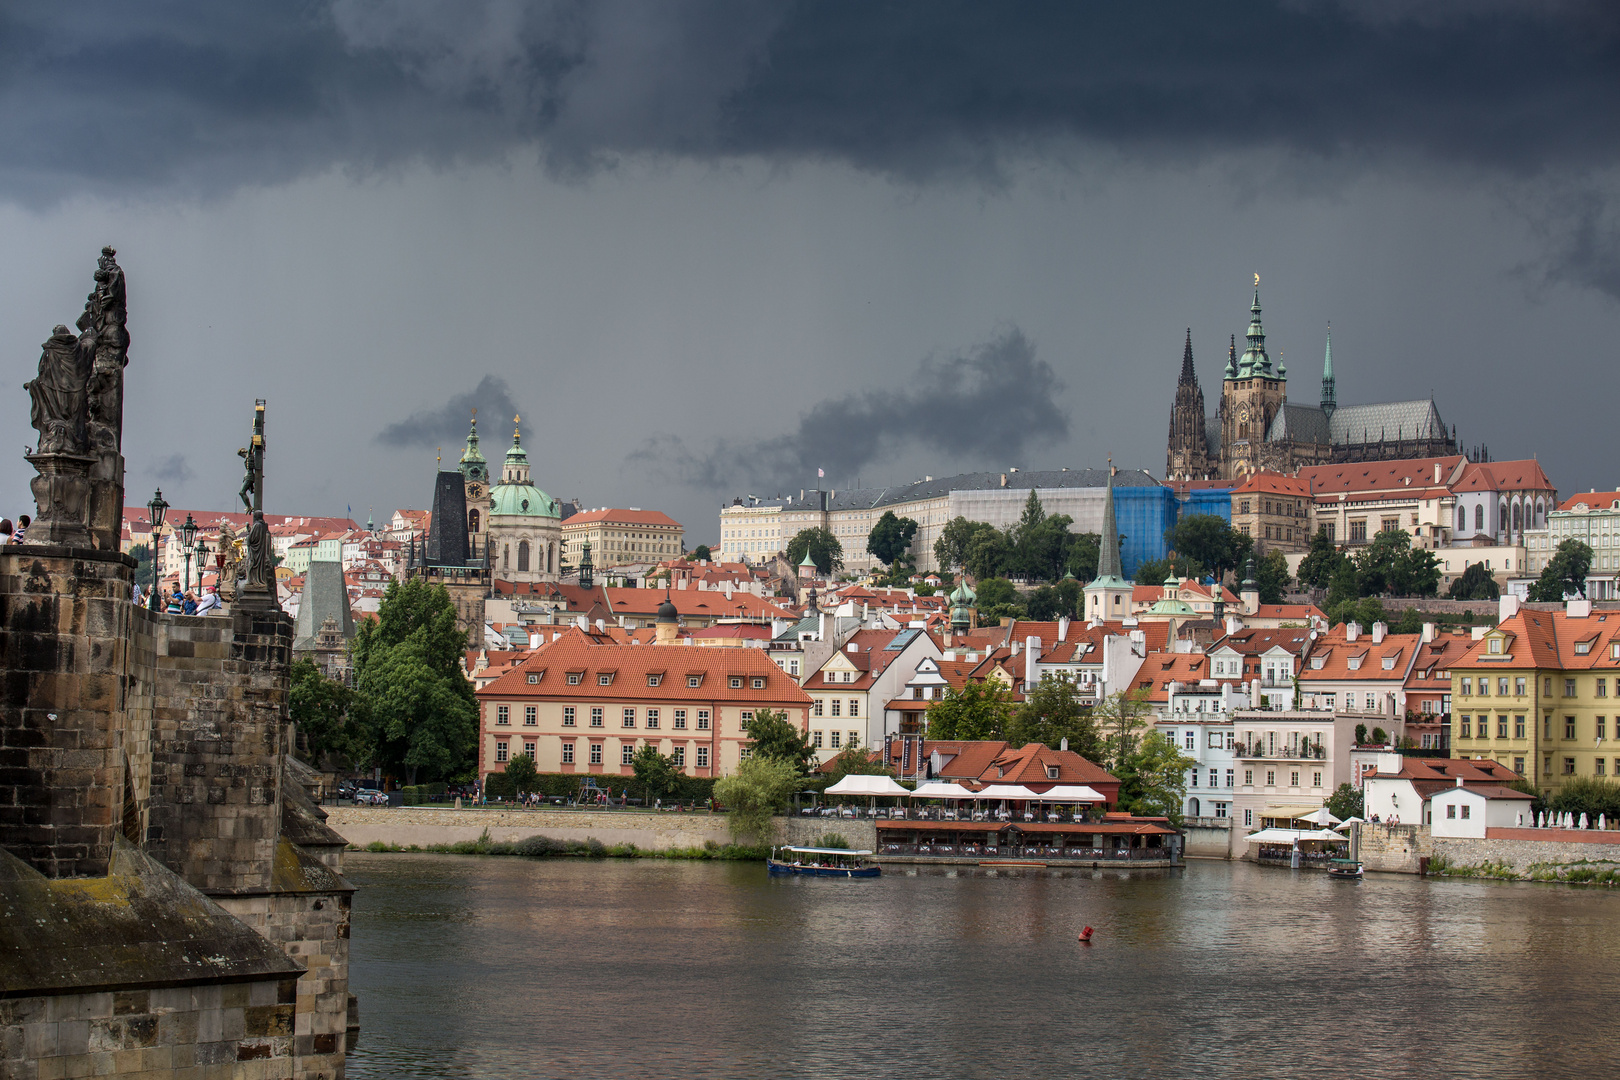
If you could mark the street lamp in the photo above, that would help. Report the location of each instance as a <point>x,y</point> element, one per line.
<point>157,507</point>
<point>188,536</point>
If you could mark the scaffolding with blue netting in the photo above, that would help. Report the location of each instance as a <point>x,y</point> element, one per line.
<point>1216,501</point>
<point>1143,514</point>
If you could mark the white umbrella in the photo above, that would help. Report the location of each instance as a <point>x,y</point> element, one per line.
<point>1008,791</point>
<point>855,784</point>
<point>939,789</point>
<point>1075,793</point>
<point>1349,821</point>
<point>1322,817</point>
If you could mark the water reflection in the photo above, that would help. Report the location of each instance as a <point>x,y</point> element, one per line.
<point>473,967</point>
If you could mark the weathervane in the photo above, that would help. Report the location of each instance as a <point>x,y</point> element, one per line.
<point>1257,281</point>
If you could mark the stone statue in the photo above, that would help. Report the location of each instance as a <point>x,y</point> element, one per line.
<point>230,562</point>
<point>105,337</point>
<point>60,394</point>
<point>261,575</point>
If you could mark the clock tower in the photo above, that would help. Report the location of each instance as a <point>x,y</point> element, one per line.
<point>475,477</point>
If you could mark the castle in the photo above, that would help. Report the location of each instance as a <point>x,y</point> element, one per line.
<point>1256,427</point>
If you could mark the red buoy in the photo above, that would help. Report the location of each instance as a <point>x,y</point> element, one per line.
<point>1085,935</point>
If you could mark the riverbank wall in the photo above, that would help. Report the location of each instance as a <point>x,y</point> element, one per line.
<point>420,826</point>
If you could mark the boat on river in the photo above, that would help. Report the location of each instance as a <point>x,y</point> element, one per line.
<point>821,862</point>
<point>1344,869</point>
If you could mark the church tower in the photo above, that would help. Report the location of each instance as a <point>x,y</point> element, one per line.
<point>1188,456</point>
<point>1251,396</point>
<point>1328,390</point>
<point>475,479</point>
<point>1108,595</point>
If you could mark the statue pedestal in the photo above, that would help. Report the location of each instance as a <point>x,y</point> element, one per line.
<point>62,496</point>
<point>251,599</point>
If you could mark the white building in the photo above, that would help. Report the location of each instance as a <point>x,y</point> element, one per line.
<point>1455,797</point>
<point>1288,764</point>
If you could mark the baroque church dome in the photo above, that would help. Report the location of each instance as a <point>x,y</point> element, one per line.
<point>513,495</point>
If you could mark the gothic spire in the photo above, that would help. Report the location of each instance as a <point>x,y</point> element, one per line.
<point>1108,551</point>
<point>1255,363</point>
<point>1231,358</point>
<point>1328,402</point>
<point>1189,377</point>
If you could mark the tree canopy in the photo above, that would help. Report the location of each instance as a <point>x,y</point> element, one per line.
<point>1345,803</point>
<point>521,775</point>
<point>1156,571</point>
<point>418,705</point>
<point>975,711</point>
<point>754,793</point>
<point>1038,547</point>
<point>655,773</point>
<point>1210,541</point>
<point>825,550</point>
<point>890,538</point>
<point>1271,577</point>
<point>702,553</point>
<point>951,549</point>
<point>1121,718</point>
<point>1474,583</point>
<point>1391,566</point>
<point>997,600</point>
<point>1053,712</point>
<point>772,735</point>
<point>1317,568</point>
<point>1153,778</point>
<point>854,760</point>
<point>324,712</point>
<point>1565,573</point>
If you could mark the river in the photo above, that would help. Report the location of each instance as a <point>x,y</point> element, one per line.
<point>509,967</point>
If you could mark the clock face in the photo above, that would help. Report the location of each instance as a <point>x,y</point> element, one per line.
<point>474,491</point>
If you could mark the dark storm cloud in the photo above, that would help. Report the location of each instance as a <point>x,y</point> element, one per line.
<point>447,425</point>
<point>173,469</point>
<point>208,97</point>
<point>990,403</point>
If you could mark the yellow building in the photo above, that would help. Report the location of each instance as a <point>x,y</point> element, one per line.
<point>622,537</point>
<point>1534,694</point>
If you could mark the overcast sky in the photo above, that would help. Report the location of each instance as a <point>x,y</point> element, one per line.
<point>707,248</point>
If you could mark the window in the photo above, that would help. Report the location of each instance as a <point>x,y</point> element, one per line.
<point>1602,688</point>
<point>604,679</point>
<point>654,680</point>
<point>815,740</point>
<point>680,719</point>
<point>1518,686</point>
<point>758,682</point>
<point>1518,765</point>
<point>652,718</point>
<point>1546,764</point>
<point>1569,766</point>
<point>1248,777</point>
<point>529,748</point>
<point>596,716</point>
<point>793,668</point>
<point>694,681</point>
<point>1467,688</point>
<point>1569,727</point>
<point>567,753</point>
<point>1358,531</point>
<point>1546,730</point>
<point>1316,779</point>
<point>1248,817</point>
<point>746,717</point>
<point>1192,778</point>
<point>1602,728</point>
<point>1190,740</point>
<point>1569,687</point>
<point>627,754</point>
<point>833,738</point>
<point>1518,727</point>
<point>1271,778</point>
<point>503,714</point>
<point>1599,767</point>
<point>815,707</point>
<point>1501,687</point>
<point>677,757</point>
<point>596,753</point>
<point>702,721</point>
<point>500,750</point>
<point>1501,727</point>
<point>573,678</point>
<point>836,705</point>
<point>736,682</point>
<point>854,706</point>
<point>854,739</point>
<point>531,715</point>
<point>1495,646</point>
<point>703,757</point>
<point>1214,778</point>
<point>568,716</point>
<point>533,678</point>
<point>1293,779</point>
<point>1465,727</point>
<point>629,717</point>
<point>1451,811</point>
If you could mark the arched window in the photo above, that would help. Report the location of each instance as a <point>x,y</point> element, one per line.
<point>1501,516</point>
<point>1192,807</point>
<point>506,556</point>
<point>523,555</point>
<point>1518,520</point>
<point>1462,520</point>
<point>1541,514</point>
<point>551,558</point>
<point>472,521</point>
<point>1479,518</point>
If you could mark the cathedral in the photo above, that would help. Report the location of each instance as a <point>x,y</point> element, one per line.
<point>1255,427</point>
<point>515,523</point>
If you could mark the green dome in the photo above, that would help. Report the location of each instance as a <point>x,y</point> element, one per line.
<point>964,594</point>
<point>521,500</point>
<point>1171,607</point>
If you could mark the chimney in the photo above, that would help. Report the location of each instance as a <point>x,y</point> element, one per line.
<point>1063,743</point>
<point>601,626</point>
<point>1459,779</point>
<point>1352,630</point>
<point>1378,630</point>
<point>1437,472</point>
<point>1429,630</point>
<point>1577,609</point>
<point>1063,628</point>
<point>1507,606</point>
<point>1233,624</point>
<point>1032,655</point>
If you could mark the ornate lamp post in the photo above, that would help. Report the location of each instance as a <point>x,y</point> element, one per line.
<point>188,537</point>
<point>156,508</point>
<point>202,560</point>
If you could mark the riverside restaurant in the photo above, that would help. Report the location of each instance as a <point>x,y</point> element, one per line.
<point>1073,840</point>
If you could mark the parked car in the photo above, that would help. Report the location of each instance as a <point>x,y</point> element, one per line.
<point>369,797</point>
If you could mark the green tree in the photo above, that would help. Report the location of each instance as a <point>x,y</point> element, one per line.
<point>417,703</point>
<point>890,538</point>
<point>772,735</point>
<point>1121,718</point>
<point>1271,575</point>
<point>1153,778</point>
<point>322,710</point>
<point>1155,571</point>
<point>1391,566</point>
<point>1345,803</point>
<point>143,565</point>
<point>998,600</point>
<point>1565,573</point>
<point>1041,552</point>
<point>854,760</point>
<point>1053,712</point>
<point>951,549</point>
<point>1363,612</point>
<point>1210,541</point>
<point>989,554</point>
<point>1474,583</point>
<point>656,773</point>
<point>753,794</point>
<point>1344,587</point>
<point>702,553</point>
<point>978,710</point>
<point>521,775</point>
<point>1083,552</point>
<point>1043,604</point>
<point>1410,622</point>
<point>825,550</point>
<point>1317,568</point>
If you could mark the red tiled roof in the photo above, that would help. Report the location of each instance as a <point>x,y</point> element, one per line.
<point>1592,500</point>
<point>1521,475</point>
<point>625,517</point>
<point>1408,476</point>
<point>1336,654</point>
<point>1548,639</point>
<point>1271,483</point>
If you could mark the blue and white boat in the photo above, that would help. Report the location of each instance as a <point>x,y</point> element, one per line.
<point>821,862</point>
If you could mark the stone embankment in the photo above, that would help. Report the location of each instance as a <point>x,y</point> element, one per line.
<point>421,826</point>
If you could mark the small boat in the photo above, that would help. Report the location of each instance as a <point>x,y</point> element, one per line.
<point>821,862</point>
<point>1344,869</point>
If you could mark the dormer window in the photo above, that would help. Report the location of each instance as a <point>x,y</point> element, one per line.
<point>736,682</point>
<point>759,682</point>
<point>1389,663</point>
<point>1496,646</point>
<point>694,681</point>
<point>654,679</point>
<point>533,678</point>
<point>1051,772</point>
<point>604,679</point>
<point>1316,662</point>
<point>1582,648</point>
<point>574,677</point>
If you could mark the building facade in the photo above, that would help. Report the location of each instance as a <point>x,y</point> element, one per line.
<point>1275,510</point>
<point>619,537</point>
